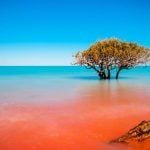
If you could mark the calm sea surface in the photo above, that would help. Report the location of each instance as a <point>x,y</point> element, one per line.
<point>52,84</point>
<point>43,108</point>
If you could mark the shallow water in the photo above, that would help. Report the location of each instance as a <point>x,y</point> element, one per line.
<point>69,108</point>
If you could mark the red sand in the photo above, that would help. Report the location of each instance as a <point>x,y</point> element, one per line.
<point>87,124</point>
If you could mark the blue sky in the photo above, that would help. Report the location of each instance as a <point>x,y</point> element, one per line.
<point>48,32</point>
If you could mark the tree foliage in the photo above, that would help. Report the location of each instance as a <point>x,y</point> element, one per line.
<point>105,55</point>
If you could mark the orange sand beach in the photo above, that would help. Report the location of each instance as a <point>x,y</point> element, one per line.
<point>89,122</point>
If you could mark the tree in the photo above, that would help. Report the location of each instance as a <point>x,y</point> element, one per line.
<point>105,55</point>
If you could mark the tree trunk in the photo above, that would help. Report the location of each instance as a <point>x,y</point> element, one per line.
<point>108,73</point>
<point>117,74</point>
<point>102,74</point>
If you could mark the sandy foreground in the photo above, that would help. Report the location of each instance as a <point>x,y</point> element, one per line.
<point>89,122</point>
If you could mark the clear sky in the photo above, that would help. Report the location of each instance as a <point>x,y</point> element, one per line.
<point>48,32</point>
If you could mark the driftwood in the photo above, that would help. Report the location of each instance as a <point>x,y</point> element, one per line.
<point>138,134</point>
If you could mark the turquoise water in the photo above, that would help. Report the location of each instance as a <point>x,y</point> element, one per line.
<point>73,71</point>
<point>52,84</point>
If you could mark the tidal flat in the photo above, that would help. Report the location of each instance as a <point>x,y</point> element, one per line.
<point>43,108</point>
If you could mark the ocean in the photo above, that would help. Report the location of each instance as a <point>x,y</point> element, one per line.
<point>69,107</point>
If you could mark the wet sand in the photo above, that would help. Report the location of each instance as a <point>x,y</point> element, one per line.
<point>89,121</point>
